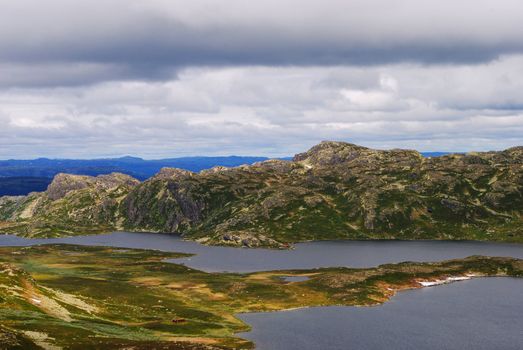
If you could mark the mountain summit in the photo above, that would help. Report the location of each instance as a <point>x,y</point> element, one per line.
<point>336,190</point>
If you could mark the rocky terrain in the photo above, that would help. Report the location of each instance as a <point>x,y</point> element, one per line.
<point>72,204</point>
<point>335,190</point>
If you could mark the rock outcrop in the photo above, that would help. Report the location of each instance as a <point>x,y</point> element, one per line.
<point>72,204</point>
<point>335,190</point>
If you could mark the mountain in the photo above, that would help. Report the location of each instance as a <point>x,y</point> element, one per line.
<point>335,190</point>
<point>21,177</point>
<point>22,185</point>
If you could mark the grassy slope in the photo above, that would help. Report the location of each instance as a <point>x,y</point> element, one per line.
<point>93,297</point>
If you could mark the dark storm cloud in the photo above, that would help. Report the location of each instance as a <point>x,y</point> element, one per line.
<point>150,39</point>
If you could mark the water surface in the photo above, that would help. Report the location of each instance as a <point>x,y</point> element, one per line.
<point>476,314</point>
<point>479,314</point>
<point>304,256</point>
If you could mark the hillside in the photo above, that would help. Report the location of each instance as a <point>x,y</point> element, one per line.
<point>21,177</point>
<point>71,205</point>
<point>335,190</point>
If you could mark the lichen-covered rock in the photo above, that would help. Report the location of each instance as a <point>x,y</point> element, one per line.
<point>9,205</point>
<point>72,205</point>
<point>334,190</point>
<point>63,184</point>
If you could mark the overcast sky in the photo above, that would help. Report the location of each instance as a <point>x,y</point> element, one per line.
<point>166,78</point>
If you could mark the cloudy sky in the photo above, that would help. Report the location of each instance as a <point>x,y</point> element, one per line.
<point>165,78</point>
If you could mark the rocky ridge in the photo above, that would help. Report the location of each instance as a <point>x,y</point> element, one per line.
<point>71,205</point>
<point>335,190</point>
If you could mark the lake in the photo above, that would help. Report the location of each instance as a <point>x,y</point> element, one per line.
<point>484,313</point>
<point>475,314</point>
<point>304,256</point>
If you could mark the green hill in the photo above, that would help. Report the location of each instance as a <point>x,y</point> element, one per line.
<point>335,190</point>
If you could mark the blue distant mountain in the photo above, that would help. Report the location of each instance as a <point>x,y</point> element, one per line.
<point>20,177</point>
<point>22,185</point>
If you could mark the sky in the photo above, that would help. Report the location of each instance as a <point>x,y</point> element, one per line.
<point>167,78</point>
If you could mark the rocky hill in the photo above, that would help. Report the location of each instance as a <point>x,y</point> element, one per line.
<point>72,204</point>
<point>335,190</point>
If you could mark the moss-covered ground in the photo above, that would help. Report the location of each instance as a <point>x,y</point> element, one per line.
<point>77,297</point>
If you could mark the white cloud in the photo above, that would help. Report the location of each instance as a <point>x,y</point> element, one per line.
<point>60,42</point>
<point>271,110</point>
<point>35,123</point>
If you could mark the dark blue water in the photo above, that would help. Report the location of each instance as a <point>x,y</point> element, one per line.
<point>304,256</point>
<point>480,314</point>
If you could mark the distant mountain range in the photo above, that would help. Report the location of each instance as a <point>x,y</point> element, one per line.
<point>21,177</point>
<point>138,168</point>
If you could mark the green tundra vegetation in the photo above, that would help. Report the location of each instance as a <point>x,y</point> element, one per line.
<point>78,297</point>
<point>335,190</point>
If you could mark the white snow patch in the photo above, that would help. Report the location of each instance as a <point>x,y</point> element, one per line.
<point>446,280</point>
